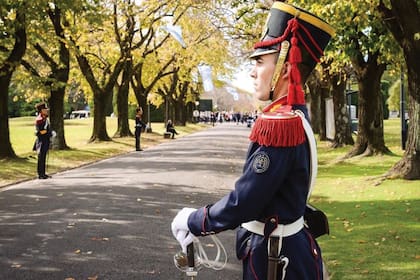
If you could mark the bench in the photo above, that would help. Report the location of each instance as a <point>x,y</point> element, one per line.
<point>167,135</point>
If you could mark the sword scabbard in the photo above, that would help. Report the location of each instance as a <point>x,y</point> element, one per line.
<point>273,258</point>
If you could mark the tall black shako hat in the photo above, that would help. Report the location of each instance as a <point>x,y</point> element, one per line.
<point>40,106</point>
<point>308,35</point>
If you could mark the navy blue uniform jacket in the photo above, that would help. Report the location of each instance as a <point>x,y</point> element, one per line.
<point>274,183</point>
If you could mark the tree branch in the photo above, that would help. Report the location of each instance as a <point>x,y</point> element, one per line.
<point>30,69</point>
<point>47,58</point>
<point>390,20</point>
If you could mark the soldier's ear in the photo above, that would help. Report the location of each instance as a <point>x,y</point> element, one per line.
<point>285,71</point>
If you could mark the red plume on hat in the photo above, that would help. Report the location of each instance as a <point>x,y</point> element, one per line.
<point>306,32</point>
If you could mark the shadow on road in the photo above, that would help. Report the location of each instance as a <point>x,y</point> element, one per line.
<point>111,220</point>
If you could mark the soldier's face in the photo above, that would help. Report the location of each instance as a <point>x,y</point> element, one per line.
<point>45,112</point>
<point>262,73</point>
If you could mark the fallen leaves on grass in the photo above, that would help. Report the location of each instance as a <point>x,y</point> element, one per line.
<point>347,226</point>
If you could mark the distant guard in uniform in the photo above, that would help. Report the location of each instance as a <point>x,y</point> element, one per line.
<point>140,125</point>
<point>43,133</point>
<point>269,200</point>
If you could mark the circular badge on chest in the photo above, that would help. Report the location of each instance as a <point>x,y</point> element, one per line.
<point>261,162</point>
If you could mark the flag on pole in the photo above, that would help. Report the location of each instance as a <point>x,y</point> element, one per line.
<point>205,72</point>
<point>233,92</point>
<point>176,32</point>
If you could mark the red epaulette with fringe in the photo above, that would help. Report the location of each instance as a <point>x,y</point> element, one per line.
<point>278,126</point>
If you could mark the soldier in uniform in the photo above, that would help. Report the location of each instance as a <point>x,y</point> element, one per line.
<point>43,133</point>
<point>270,197</point>
<point>140,125</point>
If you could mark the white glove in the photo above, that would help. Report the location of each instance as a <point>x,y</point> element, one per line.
<point>180,228</point>
<point>53,133</point>
<point>185,238</point>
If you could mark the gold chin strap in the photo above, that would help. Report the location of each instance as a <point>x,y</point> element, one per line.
<point>284,49</point>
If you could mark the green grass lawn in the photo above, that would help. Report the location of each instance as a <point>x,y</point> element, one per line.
<point>77,134</point>
<point>374,224</point>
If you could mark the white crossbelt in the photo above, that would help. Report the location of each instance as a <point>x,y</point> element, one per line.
<point>312,147</point>
<point>281,230</point>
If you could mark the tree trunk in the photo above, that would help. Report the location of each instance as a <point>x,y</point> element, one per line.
<point>60,73</point>
<point>179,104</point>
<point>6,72</point>
<point>140,91</point>
<point>180,113</point>
<point>341,114</point>
<point>409,166</point>
<point>403,20</point>
<point>56,103</point>
<point>183,118</point>
<point>325,93</point>
<point>172,111</point>
<point>314,86</point>
<point>316,111</point>
<point>142,100</point>
<point>189,110</point>
<point>99,132</point>
<point>370,134</point>
<point>125,43</point>
<point>6,149</point>
<point>123,129</point>
<point>102,95</point>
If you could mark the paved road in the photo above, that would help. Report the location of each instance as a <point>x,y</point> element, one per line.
<point>111,219</point>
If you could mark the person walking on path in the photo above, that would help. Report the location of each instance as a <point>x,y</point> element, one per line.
<point>270,198</point>
<point>43,133</point>
<point>140,125</point>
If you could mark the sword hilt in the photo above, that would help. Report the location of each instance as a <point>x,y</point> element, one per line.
<point>190,255</point>
<point>191,271</point>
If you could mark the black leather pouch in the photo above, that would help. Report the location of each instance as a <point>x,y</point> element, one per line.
<point>316,221</point>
